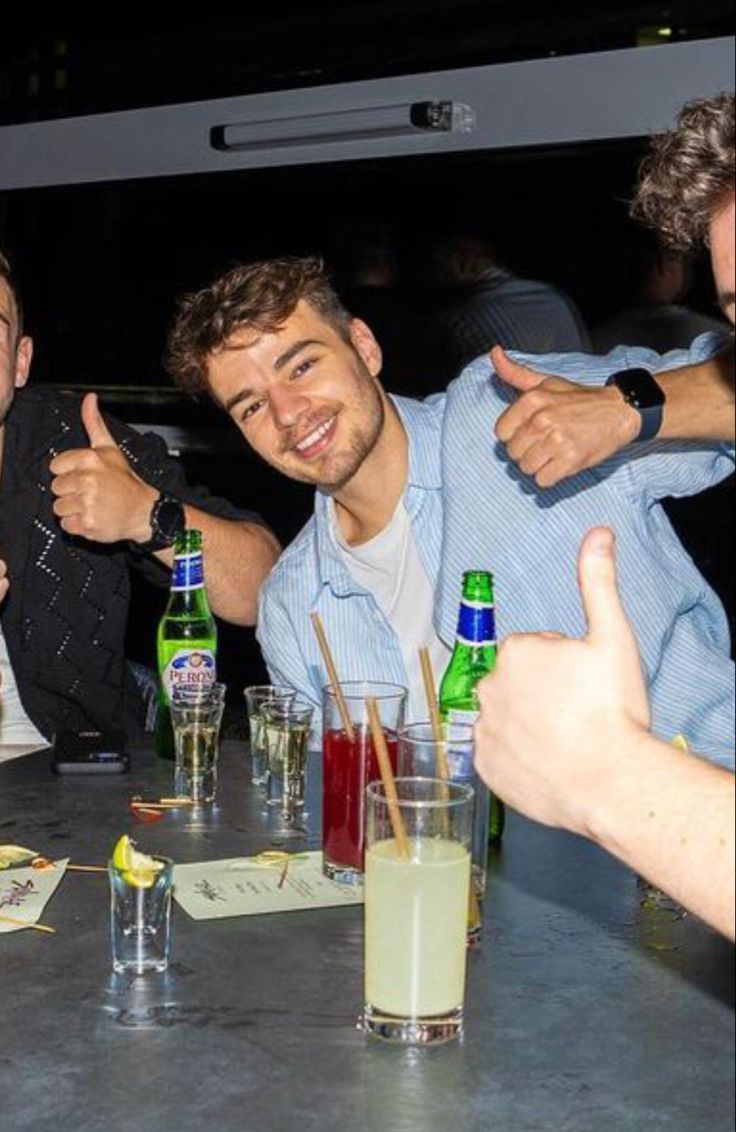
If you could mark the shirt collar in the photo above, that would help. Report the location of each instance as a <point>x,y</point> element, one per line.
<point>422,421</point>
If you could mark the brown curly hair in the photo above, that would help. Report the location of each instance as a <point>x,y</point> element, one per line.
<point>258,295</point>
<point>688,172</point>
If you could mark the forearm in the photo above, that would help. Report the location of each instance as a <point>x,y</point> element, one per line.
<point>238,556</point>
<point>670,816</point>
<point>699,401</point>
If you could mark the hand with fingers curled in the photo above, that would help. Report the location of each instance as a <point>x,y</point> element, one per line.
<point>98,495</point>
<point>557,428</point>
<point>554,706</point>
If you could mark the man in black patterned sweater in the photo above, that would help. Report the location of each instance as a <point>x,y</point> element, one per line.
<point>82,499</point>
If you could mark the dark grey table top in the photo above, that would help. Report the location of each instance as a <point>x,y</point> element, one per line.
<point>586,1010</point>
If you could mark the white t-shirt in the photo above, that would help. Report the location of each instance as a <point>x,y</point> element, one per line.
<point>389,567</point>
<point>16,729</point>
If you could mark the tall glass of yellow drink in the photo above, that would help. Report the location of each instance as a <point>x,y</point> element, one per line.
<point>416,906</point>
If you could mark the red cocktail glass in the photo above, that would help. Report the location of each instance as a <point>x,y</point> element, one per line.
<point>348,767</point>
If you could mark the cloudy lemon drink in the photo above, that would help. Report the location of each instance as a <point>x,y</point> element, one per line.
<point>416,906</point>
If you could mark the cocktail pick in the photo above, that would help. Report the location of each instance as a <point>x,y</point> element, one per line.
<point>27,924</point>
<point>324,647</point>
<point>387,776</point>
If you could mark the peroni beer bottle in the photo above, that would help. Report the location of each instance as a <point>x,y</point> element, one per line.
<point>187,634</point>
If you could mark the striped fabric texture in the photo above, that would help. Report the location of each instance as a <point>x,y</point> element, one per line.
<point>471,508</point>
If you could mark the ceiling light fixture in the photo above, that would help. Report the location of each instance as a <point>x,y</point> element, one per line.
<point>404,119</point>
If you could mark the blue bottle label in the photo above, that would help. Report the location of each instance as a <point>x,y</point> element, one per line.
<point>188,572</point>
<point>476,624</point>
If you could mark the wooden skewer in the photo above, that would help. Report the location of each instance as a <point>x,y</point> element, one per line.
<point>387,775</point>
<point>324,648</point>
<point>26,924</point>
<point>162,804</point>
<point>443,769</point>
<point>86,869</point>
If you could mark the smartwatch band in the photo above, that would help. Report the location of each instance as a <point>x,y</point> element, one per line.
<point>167,523</point>
<point>639,389</point>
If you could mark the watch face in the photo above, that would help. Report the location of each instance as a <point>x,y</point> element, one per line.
<point>169,519</point>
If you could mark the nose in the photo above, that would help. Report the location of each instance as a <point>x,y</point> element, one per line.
<point>287,405</point>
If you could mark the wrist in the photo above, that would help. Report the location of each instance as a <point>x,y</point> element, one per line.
<point>627,419</point>
<point>140,530</point>
<point>641,392</point>
<point>619,771</point>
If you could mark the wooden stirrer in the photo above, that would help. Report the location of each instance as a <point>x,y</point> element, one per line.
<point>443,769</point>
<point>387,777</point>
<point>342,707</point>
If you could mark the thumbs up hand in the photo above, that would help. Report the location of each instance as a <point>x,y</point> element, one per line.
<point>554,709</point>
<point>556,428</point>
<point>98,495</point>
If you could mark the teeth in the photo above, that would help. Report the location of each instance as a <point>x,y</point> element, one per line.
<point>314,436</point>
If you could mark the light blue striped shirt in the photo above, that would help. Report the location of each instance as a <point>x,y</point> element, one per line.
<point>471,508</point>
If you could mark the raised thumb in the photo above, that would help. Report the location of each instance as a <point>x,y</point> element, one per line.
<point>512,373</point>
<point>597,579</point>
<point>97,431</point>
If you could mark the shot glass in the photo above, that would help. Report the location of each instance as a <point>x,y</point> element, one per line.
<point>196,716</point>
<point>140,919</point>
<point>255,697</point>
<point>423,755</point>
<point>348,766</point>
<point>416,911</point>
<point>287,726</point>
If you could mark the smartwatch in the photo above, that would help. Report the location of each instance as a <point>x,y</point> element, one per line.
<point>167,521</point>
<point>639,389</point>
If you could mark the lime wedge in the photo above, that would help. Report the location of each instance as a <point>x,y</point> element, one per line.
<point>138,869</point>
<point>15,855</point>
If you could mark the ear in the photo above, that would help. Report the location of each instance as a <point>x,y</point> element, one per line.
<point>23,357</point>
<point>367,347</point>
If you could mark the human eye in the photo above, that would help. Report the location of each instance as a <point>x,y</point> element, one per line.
<point>250,410</point>
<point>303,368</point>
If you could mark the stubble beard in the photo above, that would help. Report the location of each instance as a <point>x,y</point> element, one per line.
<point>6,404</point>
<point>337,473</point>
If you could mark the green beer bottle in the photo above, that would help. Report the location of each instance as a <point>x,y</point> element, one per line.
<point>473,657</point>
<point>187,634</point>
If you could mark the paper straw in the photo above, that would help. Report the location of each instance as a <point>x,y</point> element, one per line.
<point>26,924</point>
<point>443,770</point>
<point>387,776</point>
<point>342,707</point>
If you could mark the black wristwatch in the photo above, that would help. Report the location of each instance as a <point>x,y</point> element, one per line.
<point>640,390</point>
<point>167,523</point>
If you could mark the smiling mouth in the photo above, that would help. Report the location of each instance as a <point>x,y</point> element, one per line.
<point>315,442</point>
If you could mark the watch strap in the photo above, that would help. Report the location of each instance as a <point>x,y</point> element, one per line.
<point>639,389</point>
<point>167,521</point>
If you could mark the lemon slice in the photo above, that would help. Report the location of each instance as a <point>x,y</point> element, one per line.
<point>680,742</point>
<point>15,855</point>
<point>138,869</point>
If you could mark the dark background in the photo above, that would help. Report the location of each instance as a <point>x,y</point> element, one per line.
<point>102,265</point>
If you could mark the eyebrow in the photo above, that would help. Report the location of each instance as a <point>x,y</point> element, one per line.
<point>280,363</point>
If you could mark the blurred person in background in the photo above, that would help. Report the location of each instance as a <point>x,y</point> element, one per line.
<point>482,304</point>
<point>656,283</point>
